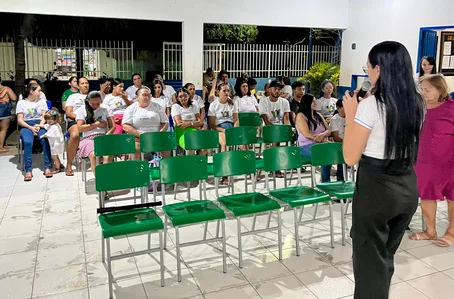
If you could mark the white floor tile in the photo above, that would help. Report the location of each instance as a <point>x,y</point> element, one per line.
<point>16,286</point>
<point>408,267</point>
<point>16,244</point>
<point>55,281</point>
<point>59,257</point>
<point>405,291</point>
<point>283,287</point>
<point>327,283</point>
<point>185,289</point>
<point>17,263</point>
<point>131,288</point>
<point>210,277</point>
<point>308,260</point>
<point>437,257</point>
<point>79,294</point>
<point>437,285</point>
<point>122,269</point>
<point>243,292</point>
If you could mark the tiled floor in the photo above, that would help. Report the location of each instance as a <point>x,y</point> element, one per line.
<point>50,248</point>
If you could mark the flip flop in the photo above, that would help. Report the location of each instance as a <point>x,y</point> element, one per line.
<point>279,174</point>
<point>445,242</point>
<point>422,236</point>
<point>69,172</point>
<point>49,174</point>
<point>28,177</point>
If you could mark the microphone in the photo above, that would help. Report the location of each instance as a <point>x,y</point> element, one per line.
<point>365,88</point>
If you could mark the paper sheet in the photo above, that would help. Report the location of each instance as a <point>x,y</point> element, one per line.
<point>446,62</point>
<point>447,48</point>
<point>451,64</point>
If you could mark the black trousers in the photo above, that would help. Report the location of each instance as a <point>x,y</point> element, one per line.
<point>383,205</point>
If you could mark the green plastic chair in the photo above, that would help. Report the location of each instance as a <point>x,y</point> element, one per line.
<point>244,204</point>
<point>202,139</point>
<point>109,145</point>
<point>289,158</point>
<point>179,134</point>
<point>125,222</point>
<point>329,154</point>
<point>185,169</point>
<point>277,133</point>
<point>250,119</point>
<point>153,142</point>
<point>242,136</point>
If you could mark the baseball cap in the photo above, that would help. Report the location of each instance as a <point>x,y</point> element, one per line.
<point>276,83</point>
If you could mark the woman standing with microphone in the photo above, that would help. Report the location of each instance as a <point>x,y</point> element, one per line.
<point>382,134</point>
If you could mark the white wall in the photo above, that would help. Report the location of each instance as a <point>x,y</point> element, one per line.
<point>371,22</point>
<point>292,13</point>
<point>194,13</point>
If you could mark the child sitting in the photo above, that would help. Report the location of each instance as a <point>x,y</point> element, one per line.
<point>55,137</point>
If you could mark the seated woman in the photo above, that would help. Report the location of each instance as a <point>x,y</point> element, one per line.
<point>244,101</point>
<point>144,116</point>
<point>186,117</point>
<point>93,120</point>
<point>312,128</point>
<point>74,103</point>
<point>117,102</point>
<point>30,117</point>
<point>199,101</point>
<point>326,104</point>
<point>221,116</point>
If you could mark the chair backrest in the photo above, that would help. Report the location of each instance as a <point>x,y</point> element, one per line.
<point>277,133</point>
<point>201,139</point>
<point>282,158</point>
<point>327,154</point>
<point>251,119</point>
<point>180,169</point>
<point>157,142</point>
<point>122,175</point>
<point>233,163</point>
<point>240,135</point>
<point>114,145</point>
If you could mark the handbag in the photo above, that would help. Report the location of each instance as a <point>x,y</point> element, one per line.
<point>5,109</point>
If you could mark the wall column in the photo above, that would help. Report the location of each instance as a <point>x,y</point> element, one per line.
<point>193,52</point>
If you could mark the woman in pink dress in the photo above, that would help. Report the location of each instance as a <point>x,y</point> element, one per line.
<point>435,164</point>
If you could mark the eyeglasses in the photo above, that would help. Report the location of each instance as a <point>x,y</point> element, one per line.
<point>365,68</point>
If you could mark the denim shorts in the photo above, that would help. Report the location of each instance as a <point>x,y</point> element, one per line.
<point>226,125</point>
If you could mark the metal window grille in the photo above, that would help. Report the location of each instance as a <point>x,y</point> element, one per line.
<point>258,60</point>
<point>66,58</point>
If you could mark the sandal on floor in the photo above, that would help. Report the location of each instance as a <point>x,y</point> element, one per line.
<point>49,174</point>
<point>69,172</point>
<point>28,177</point>
<point>224,181</point>
<point>422,236</point>
<point>445,242</point>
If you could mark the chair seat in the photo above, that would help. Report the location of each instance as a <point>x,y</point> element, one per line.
<point>300,196</point>
<point>259,163</point>
<point>193,212</point>
<point>342,190</point>
<point>248,203</point>
<point>129,222</point>
<point>155,173</point>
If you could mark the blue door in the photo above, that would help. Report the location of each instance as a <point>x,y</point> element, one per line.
<point>427,45</point>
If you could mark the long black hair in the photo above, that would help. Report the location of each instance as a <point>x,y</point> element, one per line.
<point>114,82</point>
<point>240,81</point>
<point>153,84</point>
<point>29,88</point>
<point>90,118</point>
<point>431,61</point>
<point>305,107</point>
<point>186,91</point>
<point>322,86</point>
<point>396,95</point>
